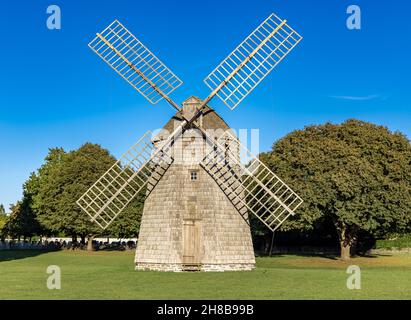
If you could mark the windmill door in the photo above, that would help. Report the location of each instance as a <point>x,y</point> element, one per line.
<point>191,243</point>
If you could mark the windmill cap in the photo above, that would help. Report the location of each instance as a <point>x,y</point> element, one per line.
<point>210,119</point>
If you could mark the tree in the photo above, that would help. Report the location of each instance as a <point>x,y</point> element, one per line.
<point>22,221</point>
<point>32,187</point>
<point>356,174</point>
<point>64,183</point>
<point>2,210</point>
<point>14,224</point>
<point>3,224</point>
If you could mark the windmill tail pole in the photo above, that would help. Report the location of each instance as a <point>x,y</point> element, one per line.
<point>271,244</point>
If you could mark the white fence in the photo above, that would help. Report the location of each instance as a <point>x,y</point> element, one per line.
<point>65,243</point>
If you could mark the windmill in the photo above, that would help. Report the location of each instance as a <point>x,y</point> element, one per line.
<point>198,191</point>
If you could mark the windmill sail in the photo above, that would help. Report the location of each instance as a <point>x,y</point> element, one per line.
<point>133,61</point>
<point>238,74</point>
<point>141,166</point>
<point>252,188</point>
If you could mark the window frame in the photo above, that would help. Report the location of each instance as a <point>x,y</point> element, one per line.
<point>194,173</point>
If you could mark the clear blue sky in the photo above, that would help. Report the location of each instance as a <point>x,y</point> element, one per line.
<point>54,91</point>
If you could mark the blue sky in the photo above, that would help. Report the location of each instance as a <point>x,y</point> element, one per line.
<point>54,91</point>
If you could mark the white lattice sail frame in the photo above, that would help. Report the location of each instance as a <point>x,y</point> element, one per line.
<point>253,186</point>
<point>134,62</point>
<point>238,74</point>
<point>143,163</point>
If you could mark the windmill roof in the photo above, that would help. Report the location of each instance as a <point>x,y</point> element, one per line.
<point>210,119</point>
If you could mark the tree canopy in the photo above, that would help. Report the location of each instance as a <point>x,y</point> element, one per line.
<point>50,194</point>
<point>356,174</point>
<point>62,180</point>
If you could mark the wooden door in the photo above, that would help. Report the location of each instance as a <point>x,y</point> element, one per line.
<point>191,242</point>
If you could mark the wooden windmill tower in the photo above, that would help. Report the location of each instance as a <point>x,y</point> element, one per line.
<point>198,190</point>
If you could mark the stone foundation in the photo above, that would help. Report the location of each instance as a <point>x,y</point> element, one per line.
<point>176,267</point>
<point>167,267</point>
<point>227,267</point>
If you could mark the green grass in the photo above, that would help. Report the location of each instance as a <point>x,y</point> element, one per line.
<point>110,275</point>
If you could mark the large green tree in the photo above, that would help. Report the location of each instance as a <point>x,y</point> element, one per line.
<point>356,174</point>
<point>64,182</point>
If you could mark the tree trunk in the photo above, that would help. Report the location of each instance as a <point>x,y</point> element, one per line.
<point>74,238</point>
<point>348,239</point>
<point>345,251</point>
<point>83,239</point>
<point>90,239</point>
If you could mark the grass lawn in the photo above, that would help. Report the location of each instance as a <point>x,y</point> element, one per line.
<point>110,275</point>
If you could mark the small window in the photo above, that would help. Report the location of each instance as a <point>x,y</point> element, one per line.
<point>193,175</point>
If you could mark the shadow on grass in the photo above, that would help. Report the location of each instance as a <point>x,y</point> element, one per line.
<point>328,256</point>
<point>325,255</point>
<point>113,249</point>
<point>9,255</point>
<point>16,254</point>
<point>372,255</point>
<point>310,255</point>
